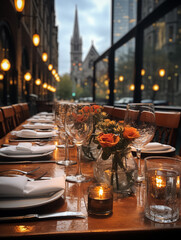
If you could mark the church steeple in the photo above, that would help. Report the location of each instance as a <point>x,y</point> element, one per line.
<point>76,44</point>
<point>76,26</point>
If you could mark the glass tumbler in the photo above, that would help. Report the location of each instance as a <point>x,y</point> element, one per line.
<point>162,176</point>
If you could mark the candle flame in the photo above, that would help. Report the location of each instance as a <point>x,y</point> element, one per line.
<point>100,192</point>
<point>159,181</point>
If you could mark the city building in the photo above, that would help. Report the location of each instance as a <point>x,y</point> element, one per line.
<point>143,62</point>
<point>30,72</point>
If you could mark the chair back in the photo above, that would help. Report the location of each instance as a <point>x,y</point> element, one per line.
<point>25,110</point>
<point>167,124</point>
<point>118,113</point>
<point>9,118</point>
<point>2,125</point>
<point>18,113</point>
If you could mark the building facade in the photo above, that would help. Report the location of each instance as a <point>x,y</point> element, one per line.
<point>144,58</point>
<point>82,70</point>
<point>16,31</point>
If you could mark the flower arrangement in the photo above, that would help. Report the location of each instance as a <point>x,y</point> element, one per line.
<point>114,140</point>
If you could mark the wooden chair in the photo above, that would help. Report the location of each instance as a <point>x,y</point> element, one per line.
<point>118,113</point>
<point>18,113</point>
<point>9,118</point>
<point>167,127</point>
<point>25,110</point>
<point>2,125</point>
<point>108,109</point>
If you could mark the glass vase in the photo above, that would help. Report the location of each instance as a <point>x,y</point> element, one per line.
<point>121,174</point>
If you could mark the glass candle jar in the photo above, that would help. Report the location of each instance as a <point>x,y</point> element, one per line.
<point>100,199</point>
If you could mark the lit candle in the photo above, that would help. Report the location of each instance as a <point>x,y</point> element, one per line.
<point>100,199</point>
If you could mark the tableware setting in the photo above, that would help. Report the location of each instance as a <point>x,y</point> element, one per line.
<point>156,148</point>
<point>142,117</point>
<point>44,126</point>
<point>27,133</point>
<point>79,126</point>
<point>19,193</point>
<point>40,119</point>
<point>26,150</point>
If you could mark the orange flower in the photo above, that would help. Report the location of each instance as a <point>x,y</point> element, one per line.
<point>108,140</point>
<point>96,109</point>
<point>130,133</point>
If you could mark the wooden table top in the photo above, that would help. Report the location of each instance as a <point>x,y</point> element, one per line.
<point>126,221</point>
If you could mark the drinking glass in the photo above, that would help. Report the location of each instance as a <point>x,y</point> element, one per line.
<point>162,176</point>
<point>79,126</point>
<point>62,109</point>
<point>142,117</point>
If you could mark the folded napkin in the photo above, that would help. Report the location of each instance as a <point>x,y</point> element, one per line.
<point>38,126</point>
<point>155,146</point>
<point>27,149</point>
<point>20,186</point>
<point>40,119</point>
<point>27,133</point>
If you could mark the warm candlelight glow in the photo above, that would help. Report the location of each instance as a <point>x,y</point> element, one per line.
<point>160,182</point>
<point>101,192</point>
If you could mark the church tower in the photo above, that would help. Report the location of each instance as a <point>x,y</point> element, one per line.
<point>76,54</point>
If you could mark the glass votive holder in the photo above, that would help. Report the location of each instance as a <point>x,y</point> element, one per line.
<point>162,176</point>
<point>100,199</point>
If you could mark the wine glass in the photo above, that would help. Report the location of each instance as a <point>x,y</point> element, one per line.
<point>60,121</point>
<point>79,126</point>
<point>142,117</point>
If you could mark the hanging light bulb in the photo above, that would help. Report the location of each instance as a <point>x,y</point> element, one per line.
<point>44,56</point>
<point>50,67</point>
<point>38,82</point>
<point>45,85</point>
<point>27,76</point>
<point>19,5</point>
<point>5,65</point>
<point>36,39</point>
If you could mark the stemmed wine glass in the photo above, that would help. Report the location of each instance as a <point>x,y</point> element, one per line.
<point>142,117</point>
<point>79,126</point>
<point>60,121</point>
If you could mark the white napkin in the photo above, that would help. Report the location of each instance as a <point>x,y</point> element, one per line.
<point>20,186</point>
<point>38,126</point>
<point>155,146</point>
<point>27,133</point>
<point>41,119</point>
<point>27,149</point>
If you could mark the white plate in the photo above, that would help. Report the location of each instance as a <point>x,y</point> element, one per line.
<point>25,155</point>
<point>41,135</point>
<point>172,149</point>
<point>22,203</point>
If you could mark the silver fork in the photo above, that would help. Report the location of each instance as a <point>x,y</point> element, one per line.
<point>21,171</point>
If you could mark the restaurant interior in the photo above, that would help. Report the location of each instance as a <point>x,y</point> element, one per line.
<point>107,164</point>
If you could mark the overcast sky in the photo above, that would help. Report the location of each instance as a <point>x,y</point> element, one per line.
<point>94,25</point>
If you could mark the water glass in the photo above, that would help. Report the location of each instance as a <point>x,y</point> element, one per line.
<point>162,176</point>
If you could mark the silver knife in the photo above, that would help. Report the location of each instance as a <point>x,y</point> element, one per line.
<point>27,162</point>
<point>31,140</point>
<point>60,215</point>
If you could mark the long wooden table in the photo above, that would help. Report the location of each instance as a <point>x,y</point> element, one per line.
<point>127,220</point>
